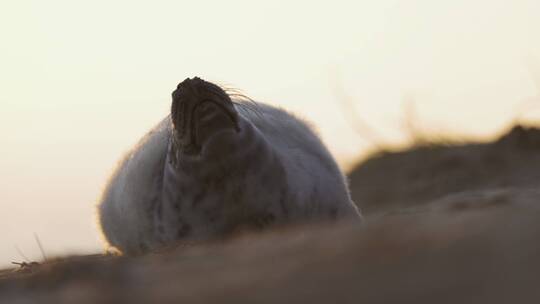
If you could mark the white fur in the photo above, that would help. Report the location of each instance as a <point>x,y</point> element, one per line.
<point>125,211</point>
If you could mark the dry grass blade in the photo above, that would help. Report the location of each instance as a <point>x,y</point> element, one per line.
<point>19,251</point>
<point>347,106</point>
<point>40,247</point>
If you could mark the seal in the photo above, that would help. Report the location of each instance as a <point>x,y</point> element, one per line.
<point>217,164</point>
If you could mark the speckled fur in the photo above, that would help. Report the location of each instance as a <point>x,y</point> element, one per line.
<point>274,170</point>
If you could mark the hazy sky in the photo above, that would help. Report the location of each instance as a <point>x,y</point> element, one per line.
<point>81,81</point>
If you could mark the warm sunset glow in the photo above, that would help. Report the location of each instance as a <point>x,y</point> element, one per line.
<point>83,80</point>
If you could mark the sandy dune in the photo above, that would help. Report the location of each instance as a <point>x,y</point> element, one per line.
<point>444,224</point>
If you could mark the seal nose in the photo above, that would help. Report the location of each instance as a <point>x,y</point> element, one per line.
<point>199,110</point>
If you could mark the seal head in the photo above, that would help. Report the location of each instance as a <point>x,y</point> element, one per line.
<point>199,111</point>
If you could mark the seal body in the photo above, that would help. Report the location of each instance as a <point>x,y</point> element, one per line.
<point>215,165</point>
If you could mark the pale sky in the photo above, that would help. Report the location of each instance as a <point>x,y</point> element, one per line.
<point>81,81</point>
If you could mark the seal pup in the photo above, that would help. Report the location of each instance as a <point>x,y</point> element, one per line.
<point>215,165</point>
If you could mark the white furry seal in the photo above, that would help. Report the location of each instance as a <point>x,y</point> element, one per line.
<point>215,165</point>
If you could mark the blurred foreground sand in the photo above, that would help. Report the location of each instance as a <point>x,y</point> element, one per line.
<point>444,224</point>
